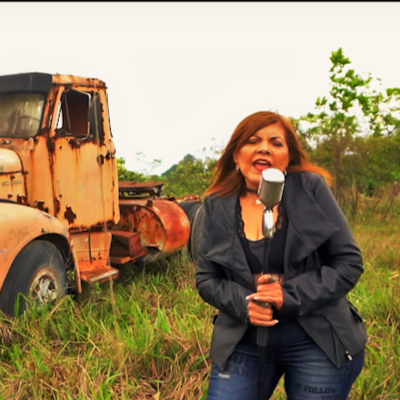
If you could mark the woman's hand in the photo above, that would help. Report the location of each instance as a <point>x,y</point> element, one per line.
<point>268,290</point>
<point>259,315</point>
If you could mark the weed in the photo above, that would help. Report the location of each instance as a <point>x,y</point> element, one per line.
<point>147,335</point>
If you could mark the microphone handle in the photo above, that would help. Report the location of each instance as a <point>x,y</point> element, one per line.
<point>262,336</point>
<point>262,331</point>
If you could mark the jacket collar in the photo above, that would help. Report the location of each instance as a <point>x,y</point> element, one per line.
<point>308,228</point>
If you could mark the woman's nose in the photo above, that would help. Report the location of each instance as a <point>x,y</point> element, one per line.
<point>263,147</point>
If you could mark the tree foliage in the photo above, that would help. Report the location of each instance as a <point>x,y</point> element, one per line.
<point>353,127</point>
<point>125,175</point>
<point>190,176</point>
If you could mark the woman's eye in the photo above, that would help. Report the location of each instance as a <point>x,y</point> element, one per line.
<point>252,140</point>
<point>278,144</point>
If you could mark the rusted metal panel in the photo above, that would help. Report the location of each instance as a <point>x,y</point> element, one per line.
<point>126,247</point>
<point>120,256</point>
<point>92,246</point>
<point>92,250</point>
<point>152,188</point>
<point>72,80</point>
<point>163,226</point>
<point>12,186</point>
<point>189,197</point>
<point>97,271</point>
<point>36,173</point>
<point>129,240</point>
<point>86,190</point>
<point>77,184</point>
<point>19,226</point>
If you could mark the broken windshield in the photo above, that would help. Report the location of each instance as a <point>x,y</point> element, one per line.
<point>20,114</point>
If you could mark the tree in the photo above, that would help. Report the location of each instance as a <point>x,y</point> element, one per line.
<point>189,176</point>
<point>383,110</point>
<point>125,175</point>
<point>351,109</point>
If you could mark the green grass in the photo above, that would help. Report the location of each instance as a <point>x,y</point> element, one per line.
<point>147,335</point>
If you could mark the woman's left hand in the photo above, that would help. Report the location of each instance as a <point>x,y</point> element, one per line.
<point>270,292</point>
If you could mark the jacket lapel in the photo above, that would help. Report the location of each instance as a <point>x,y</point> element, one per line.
<point>308,226</point>
<point>227,248</point>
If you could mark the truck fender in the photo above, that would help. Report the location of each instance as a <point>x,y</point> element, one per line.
<point>20,225</point>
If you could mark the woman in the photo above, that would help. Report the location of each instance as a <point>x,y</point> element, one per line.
<point>314,261</point>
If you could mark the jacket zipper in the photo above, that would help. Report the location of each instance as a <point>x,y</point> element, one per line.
<point>346,352</point>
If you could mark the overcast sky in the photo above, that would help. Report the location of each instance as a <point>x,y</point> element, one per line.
<point>182,74</point>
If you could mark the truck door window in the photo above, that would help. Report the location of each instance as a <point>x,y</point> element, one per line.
<point>80,114</point>
<point>73,119</point>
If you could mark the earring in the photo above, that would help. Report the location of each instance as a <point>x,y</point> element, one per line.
<point>237,168</point>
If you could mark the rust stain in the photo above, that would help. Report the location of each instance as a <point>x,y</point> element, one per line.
<point>100,159</point>
<point>57,205</point>
<point>163,226</point>
<point>69,215</point>
<point>21,199</point>
<point>40,206</point>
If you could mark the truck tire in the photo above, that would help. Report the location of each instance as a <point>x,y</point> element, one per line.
<point>191,209</point>
<point>38,273</point>
<point>195,232</point>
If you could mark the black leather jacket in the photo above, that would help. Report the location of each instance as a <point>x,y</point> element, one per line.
<point>322,263</point>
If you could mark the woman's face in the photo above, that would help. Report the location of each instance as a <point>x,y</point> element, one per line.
<point>267,148</point>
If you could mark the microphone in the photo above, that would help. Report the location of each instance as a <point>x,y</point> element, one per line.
<point>270,190</point>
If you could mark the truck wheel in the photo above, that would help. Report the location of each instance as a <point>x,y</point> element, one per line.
<point>191,209</point>
<point>38,273</point>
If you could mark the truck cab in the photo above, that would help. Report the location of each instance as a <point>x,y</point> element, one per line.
<point>57,156</point>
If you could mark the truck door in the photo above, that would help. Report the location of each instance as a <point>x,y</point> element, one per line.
<point>82,185</point>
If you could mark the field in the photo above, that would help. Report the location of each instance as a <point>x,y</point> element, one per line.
<point>147,335</point>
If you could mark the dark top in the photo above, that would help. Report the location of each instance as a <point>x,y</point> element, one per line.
<point>255,254</point>
<point>255,249</point>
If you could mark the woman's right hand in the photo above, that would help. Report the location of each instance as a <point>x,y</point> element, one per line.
<point>261,316</point>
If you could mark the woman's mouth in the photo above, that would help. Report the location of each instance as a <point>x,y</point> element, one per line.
<point>260,165</point>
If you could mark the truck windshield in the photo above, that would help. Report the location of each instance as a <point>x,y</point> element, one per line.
<point>20,114</point>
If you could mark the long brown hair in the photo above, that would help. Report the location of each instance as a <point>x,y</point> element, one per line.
<point>227,180</point>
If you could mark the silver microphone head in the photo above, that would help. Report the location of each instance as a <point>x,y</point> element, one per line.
<point>271,187</point>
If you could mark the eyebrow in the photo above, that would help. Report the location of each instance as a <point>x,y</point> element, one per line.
<point>272,138</point>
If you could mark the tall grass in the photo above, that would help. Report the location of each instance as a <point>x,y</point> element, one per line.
<point>147,335</point>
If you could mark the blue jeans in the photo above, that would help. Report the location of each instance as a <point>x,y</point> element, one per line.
<point>309,373</point>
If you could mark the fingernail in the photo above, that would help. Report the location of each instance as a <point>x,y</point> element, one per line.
<point>276,321</point>
<point>255,298</point>
<point>247,297</point>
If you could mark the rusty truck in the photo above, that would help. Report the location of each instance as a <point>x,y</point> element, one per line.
<point>64,217</point>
